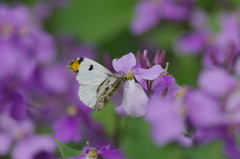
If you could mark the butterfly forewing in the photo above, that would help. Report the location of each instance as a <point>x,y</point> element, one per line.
<point>92,73</point>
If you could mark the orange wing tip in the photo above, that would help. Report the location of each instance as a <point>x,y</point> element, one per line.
<point>75,64</point>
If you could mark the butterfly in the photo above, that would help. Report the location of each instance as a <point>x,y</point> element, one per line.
<point>98,84</point>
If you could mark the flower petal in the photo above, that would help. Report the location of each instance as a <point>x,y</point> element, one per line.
<point>165,85</point>
<point>125,63</point>
<point>134,99</point>
<point>165,120</point>
<point>110,154</point>
<point>66,129</point>
<point>145,17</point>
<point>151,73</point>
<point>6,141</point>
<point>203,111</point>
<point>28,147</point>
<point>117,97</point>
<point>217,81</point>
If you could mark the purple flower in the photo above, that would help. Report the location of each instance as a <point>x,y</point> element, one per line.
<point>144,61</point>
<point>149,13</point>
<point>29,147</point>
<point>66,129</point>
<point>231,147</point>
<point>165,86</point>
<point>199,20</point>
<point>217,81</point>
<point>236,67</point>
<point>176,10</point>
<point>13,101</point>
<point>146,17</point>
<point>203,110</point>
<point>166,121</point>
<point>22,134</point>
<point>232,108</point>
<point>134,105</point>
<point>191,43</point>
<point>229,33</point>
<point>220,47</point>
<point>22,42</point>
<point>53,80</point>
<point>100,152</point>
<point>205,136</point>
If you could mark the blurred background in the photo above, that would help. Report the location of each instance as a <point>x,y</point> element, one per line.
<point>38,94</point>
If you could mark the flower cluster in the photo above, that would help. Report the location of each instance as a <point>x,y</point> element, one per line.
<point>186,115</point>
<point>33,107</point>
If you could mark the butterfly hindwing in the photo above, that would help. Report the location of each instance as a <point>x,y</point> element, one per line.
<point>105,91</point>
<point>87,94</point>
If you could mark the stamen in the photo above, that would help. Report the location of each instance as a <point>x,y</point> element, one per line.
<point>92,151</point>
<point>129,76</point>
<point>19,135</point>
<point>23,30</point>
<point>6,29</point>
<point>166,68</point>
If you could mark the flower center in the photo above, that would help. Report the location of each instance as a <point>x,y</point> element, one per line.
<point>129,75</point>
<point>71,110</point>
<point>6,29</point>
<point>19,135</point>
<point>23,31</point>
<point>92,154</point>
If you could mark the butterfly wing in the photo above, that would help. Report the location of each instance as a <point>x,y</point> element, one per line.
<point>91,72</point>
<point>90,75</point>
<point>87,94</point>
<point>106,90</point>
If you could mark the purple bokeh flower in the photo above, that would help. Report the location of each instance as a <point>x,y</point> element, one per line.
<point>219,46</point>
<point>217,81</point>
<point>166,120</point>
<point>236,67</point>
<point>203,110</point>
<point>66,129</point>
<point>26,144</point>
<point>146,17</point>
<point>148,13</point>
<point>191,43</point>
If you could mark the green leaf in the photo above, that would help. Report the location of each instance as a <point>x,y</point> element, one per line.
<point>66,151</point>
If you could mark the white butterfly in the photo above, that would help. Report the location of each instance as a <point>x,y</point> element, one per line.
<point>98,84</point>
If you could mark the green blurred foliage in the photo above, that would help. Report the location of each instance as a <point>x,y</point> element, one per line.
<point>94,21</point>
